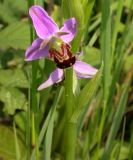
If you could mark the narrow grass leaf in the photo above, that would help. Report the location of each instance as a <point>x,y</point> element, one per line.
<point>49,132</point>
<point>122,140</point>
<point>106,54</point>
<point>42,133</point>
<point>16,143</point>
<point>49,135</point>
<point>105,45</point>
<point>73,9</point>
<point>130,155</point>
<point>94,38</point>
<point>116,26</point>
<point>87,7</point>
<point>125,40</point>
<point>116,123</point>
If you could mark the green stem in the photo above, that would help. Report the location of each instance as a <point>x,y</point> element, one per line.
<point>34,108</point>
<point>28,126</point>
<point>33,96</point>
<point>70,127</point>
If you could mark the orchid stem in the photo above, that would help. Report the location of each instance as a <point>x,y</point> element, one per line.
<point>70,127</point>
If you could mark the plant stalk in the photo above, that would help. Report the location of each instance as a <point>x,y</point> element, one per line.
<point>33,112</point>
<point>70,127</point>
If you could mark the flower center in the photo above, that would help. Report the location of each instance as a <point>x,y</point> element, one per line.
<point>62,56</point>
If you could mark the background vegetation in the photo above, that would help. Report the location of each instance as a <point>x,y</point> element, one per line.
<point>33,124</point>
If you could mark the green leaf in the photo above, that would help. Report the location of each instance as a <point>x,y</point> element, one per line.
<point>86,95</point>
<point>13,99</point>
<point>130,154</point>
<point>116,24</point>
<point>128,62</point>
<point>87,7</point>
<point>7,144</point>
<point>76,88</point>
<point>13,78</point>
<point>91,55</point>
<point>49,132</point>
<point>42,132</point>
<point>106,46</point>
<point>73,9</point>
<point>18,5</point>
<point>116,123</point>
<point>7,16</point>
<point>124,151</point>
<point>128,4</point>
<point>16,143</point>
<point>11,12</point>
<point>47,128</point>
<point>15,35</point>
<point>126,38</point>
<point>20,120</point>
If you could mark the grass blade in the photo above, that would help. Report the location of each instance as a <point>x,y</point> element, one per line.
<point>49,132</point>
<point>116,123</point>
<point>16,143</point>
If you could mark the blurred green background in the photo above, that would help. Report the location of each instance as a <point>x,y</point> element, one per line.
<point>15,76</point>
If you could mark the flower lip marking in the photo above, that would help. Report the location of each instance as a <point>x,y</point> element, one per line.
<point>63,57</point>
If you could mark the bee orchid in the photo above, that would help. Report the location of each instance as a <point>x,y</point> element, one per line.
<point>54,43</point>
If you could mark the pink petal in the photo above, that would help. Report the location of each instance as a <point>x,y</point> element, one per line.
<point>70,27</point>
<point>55,77</point>
<point>84,70</point>
<point>43,23</point>
<point>35,52</point>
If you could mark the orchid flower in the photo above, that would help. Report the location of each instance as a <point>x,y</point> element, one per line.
<point>50,36</point>
<point>54,43</point>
